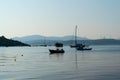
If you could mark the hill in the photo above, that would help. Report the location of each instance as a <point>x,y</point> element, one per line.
<point>39,37</point>
<point>40,40</point>
<point>95,42</point>
<point>9,42</point>
<point>66,40</point>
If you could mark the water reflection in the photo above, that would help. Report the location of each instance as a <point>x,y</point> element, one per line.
<point>73,65</point>
<point>56,57</point>
<point>76,62</point>
<point>7,59</point>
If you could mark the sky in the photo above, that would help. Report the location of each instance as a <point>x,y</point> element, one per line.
<point>94,18</point>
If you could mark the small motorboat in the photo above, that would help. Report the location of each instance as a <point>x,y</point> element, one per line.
<point>58,49</point>
<point>82,49</point>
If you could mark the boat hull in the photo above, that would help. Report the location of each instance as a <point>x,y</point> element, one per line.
<point>84,49</point>
<point>73,46</point>
<point>56,51</point>
<point>77,45</point>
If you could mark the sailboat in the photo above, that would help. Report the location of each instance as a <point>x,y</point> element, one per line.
<point>79,46</point>
<point>75,41</point>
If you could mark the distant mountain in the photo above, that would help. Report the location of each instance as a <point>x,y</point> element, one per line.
<point>66,40</point>
<point>9,42</point>
<point>96,42</point>
<point>41,38</point>
<point>29,38</point>
<point>38,39</point>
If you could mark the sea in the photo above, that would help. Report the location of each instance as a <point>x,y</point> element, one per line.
<point>36,63</point>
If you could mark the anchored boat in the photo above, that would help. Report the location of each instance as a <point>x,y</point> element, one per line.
<point>59,48</point>
<point>79,46</point>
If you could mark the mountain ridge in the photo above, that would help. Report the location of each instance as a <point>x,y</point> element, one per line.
<point>40,37</point>
<point>66,40</point>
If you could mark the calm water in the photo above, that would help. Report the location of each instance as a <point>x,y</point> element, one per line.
<point>102,63</point>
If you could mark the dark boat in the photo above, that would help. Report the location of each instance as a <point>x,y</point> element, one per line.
<point>77,45</point>
<point>57,50</point>
<point>84,48</point>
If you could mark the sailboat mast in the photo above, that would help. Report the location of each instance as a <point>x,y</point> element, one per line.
<point>76,35</point>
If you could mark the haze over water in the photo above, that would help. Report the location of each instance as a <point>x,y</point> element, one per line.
<point>102,63</point>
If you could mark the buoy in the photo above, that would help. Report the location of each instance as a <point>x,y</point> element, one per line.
<point>15,60</point>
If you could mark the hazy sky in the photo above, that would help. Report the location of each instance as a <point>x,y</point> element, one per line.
<point>95,18</point>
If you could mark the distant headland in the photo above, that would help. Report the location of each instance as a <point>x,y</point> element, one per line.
<point>9,42</point>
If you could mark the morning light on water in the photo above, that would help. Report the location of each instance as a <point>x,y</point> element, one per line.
<point>102,63</point>
<point>59,39</point>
